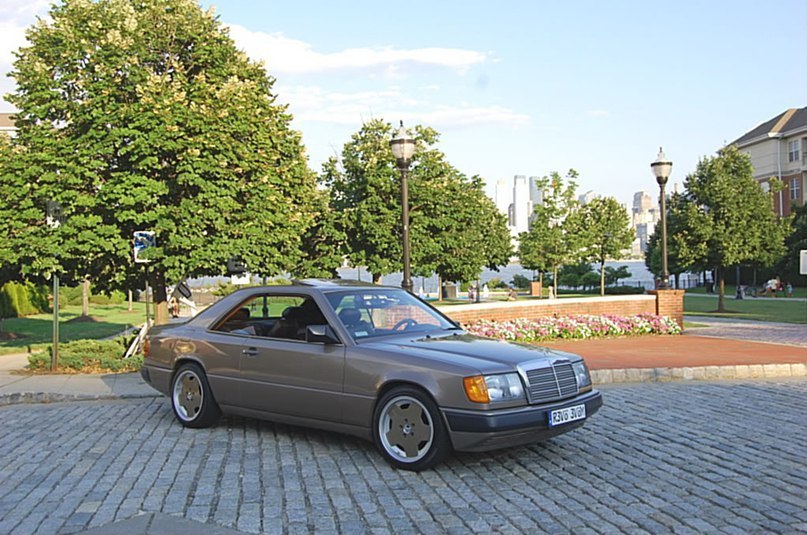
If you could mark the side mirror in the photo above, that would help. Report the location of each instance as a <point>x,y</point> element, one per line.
<point>322,334</point>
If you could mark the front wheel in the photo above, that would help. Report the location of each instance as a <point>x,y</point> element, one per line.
<point>192,399</point>
<point>409,430</point>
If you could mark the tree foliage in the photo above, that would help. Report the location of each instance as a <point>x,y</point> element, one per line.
<point>652,255</point>
<point>726,217</point>
<point>553,239</point>
<point>455,229</point>
<point>606,232</point>
<point>795,243</point>
<point>145,116</point>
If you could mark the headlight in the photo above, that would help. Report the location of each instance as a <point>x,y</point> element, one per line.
<point>494,388</point>
<point>581,373</point>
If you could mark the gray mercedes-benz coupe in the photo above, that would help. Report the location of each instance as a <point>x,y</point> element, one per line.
<point>368,360</point>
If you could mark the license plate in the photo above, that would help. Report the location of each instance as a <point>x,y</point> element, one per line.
<point>569,414</point>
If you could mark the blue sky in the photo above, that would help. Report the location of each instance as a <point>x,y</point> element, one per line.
<point>522,87</point>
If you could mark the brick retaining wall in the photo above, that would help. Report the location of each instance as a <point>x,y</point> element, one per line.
<point>665,302</point>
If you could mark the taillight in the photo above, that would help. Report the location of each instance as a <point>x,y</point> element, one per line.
<point>146,347</point>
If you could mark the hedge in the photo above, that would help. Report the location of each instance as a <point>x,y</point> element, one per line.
<point>19,299</point>
<point>88,356</point>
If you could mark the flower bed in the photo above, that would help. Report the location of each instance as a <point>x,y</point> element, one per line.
<point>573,327</point>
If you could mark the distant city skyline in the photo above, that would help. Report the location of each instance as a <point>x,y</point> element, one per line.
<point>517,197</point>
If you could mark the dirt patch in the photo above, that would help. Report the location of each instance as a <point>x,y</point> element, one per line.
<point>84,319</point>
<point>10,336</point>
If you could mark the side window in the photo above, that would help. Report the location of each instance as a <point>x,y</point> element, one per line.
<point>296,314</point>
<point>258,315</point>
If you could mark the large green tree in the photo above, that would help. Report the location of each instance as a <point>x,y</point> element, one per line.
<point>795,243</point>
<point>652,255</point>
<point>606,232</point>
<point>726,217</point>
<point>143,115</point>
<point>554,238</point>
<point>365,190</point>
<point>455,229</point>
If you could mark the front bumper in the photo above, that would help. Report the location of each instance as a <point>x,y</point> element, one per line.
<point>489,430</point>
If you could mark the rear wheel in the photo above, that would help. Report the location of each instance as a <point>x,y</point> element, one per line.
<point>409,430</point>
<point>192,399</point>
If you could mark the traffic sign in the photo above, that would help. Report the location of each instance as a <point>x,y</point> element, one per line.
<point>143,239</point>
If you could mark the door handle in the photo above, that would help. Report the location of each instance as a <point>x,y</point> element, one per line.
<point>249,352</point>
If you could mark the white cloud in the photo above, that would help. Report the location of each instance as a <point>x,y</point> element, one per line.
<point>22,9</point>
<point>12,37</point>
<point>465,116</point>
<point>285,55</point>
<point>315,104</point>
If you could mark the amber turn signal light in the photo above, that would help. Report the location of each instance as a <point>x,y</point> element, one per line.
<point>476,389</point>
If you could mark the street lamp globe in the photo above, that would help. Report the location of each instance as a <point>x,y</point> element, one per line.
<point>403,147</point>
<point>662,167</point>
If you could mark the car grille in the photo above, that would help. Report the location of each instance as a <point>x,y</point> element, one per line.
<point>551,383</point>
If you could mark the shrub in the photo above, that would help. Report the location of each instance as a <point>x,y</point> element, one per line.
<point>22,299</point>
<point>496,283</point>
<point>624,290</point>
<point>88,356</point>
<point>520,281</point>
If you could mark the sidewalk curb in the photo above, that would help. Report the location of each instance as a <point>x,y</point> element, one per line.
<point>703,373</point>
<point>49,397</point>
<point>598,377</point>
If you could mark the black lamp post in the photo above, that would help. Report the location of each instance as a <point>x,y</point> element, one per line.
<point>403,147</point>
<point>662,168</point>
<point>54,219</point>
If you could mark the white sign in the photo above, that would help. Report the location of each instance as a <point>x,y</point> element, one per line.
<point>803,262</point>
<point>143,239</point>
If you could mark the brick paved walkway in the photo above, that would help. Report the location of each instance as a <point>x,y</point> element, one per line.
<point>684,457</point>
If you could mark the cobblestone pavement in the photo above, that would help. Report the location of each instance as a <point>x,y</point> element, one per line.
<point>725,457</point>
<point>778,333</point>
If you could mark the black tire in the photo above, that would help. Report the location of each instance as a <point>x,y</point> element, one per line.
<point>409,430</point>
<point>192,399</point>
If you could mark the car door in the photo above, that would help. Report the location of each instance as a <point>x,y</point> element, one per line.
<point>293,377</point>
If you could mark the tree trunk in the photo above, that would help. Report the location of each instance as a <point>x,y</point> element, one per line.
<point>85,297</point>
<point>677,276</point>
<point>439,289</point>
<point>721,306</point>
<point>130,300</point>
<point>602,278</point>
<point>157,281</point>
<point>555,279</point>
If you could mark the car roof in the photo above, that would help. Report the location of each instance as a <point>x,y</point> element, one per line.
<point>337,283</point>
<point>301,286</point>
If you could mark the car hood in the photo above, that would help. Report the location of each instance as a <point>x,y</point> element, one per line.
<point>483,354</point>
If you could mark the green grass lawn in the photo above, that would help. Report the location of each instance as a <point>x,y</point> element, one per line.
<point>36,332</point>
<point>731,291</point>
<point>749,309</point>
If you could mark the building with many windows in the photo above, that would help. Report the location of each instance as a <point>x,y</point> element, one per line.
<point>643,218</point>
<point>517,199</point>
<point>777,150</point>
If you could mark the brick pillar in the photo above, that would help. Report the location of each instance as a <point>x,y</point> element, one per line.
<point>670,303</point>
<point>536,288</point>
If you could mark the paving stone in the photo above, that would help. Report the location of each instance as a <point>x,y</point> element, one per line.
<point>677,457</point>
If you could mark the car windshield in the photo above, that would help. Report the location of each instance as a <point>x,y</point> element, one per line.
<point>379,312</point>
